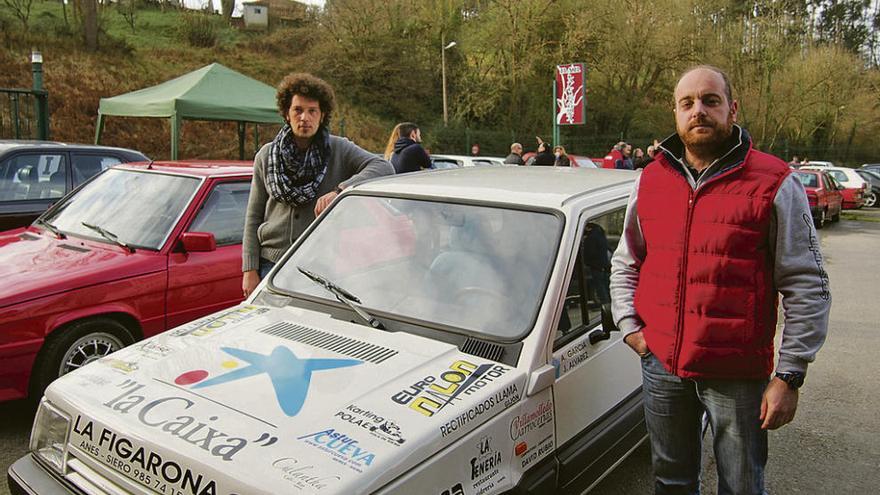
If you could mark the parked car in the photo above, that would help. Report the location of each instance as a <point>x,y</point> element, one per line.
<point>458,161</point>
<point>577,161</point>
<point>406,365</point>
<point>854,187</point>
<point>875,167</point>
<point>873,179</point>
<point>818,163</point>
<point>823,194</point>
<point>35,174</point>
<point>139,249</point>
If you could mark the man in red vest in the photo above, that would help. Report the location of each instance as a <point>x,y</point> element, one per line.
<point>715,231</point>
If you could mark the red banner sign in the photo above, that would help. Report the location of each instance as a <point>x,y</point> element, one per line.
<point>570,92</point>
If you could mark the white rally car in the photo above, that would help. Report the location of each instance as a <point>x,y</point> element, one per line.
<point>431,333</point>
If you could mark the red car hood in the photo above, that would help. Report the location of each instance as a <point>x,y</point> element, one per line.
<point>35,264</point>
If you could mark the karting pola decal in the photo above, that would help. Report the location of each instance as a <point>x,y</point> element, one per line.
<point>290,375</point>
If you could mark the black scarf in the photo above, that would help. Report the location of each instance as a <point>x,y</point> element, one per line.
<point>293,176</point>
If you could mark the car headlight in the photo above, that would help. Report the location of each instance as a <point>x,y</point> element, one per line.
<point>49,436</point>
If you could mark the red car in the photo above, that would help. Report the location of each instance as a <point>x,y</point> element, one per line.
<point>138,249</point>
<point>823,194</point>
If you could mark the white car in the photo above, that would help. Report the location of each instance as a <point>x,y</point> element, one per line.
<point>437,332</point>
<point>458,161</point>
<point>817,163</point>
<point>855,187</point>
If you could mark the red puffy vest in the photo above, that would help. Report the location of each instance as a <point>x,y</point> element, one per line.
<point>706,292</point>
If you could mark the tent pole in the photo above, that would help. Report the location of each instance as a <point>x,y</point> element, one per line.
<point>241,130</point>
<point>256,138</point>
<point>99,128</point>
<point>175,136</point>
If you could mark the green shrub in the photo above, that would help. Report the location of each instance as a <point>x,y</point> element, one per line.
<point>198,30</point>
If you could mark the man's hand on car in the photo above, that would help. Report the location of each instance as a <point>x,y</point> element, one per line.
<point>249,281</point>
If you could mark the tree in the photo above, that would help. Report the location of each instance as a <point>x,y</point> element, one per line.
<point>21,9</point>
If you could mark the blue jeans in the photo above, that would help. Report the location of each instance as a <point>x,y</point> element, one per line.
<point>266,266</point>
<point>674,409</point>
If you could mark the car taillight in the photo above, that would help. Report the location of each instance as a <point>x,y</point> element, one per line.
<point>812,198</point>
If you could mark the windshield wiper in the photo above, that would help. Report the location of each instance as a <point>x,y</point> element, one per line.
<point>343,296</point>
<point>51,228</point>
<point>106,234</point>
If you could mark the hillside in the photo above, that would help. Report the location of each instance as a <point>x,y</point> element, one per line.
<point>154,51</point>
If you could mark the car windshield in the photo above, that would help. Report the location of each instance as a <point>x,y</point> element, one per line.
<point>139,208</point>
<point>477,268</point>
<point>808,180</point>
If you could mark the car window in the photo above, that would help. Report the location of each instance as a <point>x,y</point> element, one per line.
<point>85,166</point>
<point>222,214</point>
<point>32,176</point>
<point>139,208</point>
<point>442,163</point>
<point>837,185</point>
<point>839,176</point>
<point>588,290</point>
<point>445,264</point>
<point>808,180</point>
<point>480,162</point>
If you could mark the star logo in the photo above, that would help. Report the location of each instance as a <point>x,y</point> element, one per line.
<point>289,374</point>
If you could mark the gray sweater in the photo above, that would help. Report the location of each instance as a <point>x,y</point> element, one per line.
<point>270,226</point>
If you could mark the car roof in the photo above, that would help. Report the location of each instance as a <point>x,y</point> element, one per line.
<point>11,144</point>
<point>195,168</point>
<point>535,186</point>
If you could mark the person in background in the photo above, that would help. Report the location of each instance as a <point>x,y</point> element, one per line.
<point>613,156</point>
<point>392,139</point>
<point>515,156</point>
<point>475,149</point>
<point>624,162</point>
<point>714,232</point>
<point>298,174</point>
<point>561,159</point>
<point>409,155</point>
<point>544,157</point>
<point>795,162</point>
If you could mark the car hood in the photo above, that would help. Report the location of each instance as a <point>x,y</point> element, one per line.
<point>36,264</point>
<point>278,400</point>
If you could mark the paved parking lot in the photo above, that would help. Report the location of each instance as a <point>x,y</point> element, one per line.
<point>832,447</point>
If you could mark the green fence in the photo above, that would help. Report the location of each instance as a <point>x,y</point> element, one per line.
<point>24,114</point>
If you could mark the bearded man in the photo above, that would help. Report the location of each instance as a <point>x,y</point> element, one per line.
<point>298,174</point>
<point>715,230</point>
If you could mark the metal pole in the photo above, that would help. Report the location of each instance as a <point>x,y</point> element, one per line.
<point>15,124</point>
<point>241,131</point>
<point>555,124</point>
<point>41,105</point>
<point>443,75</point>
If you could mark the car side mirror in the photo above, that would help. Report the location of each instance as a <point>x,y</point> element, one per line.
<point>198,242</point>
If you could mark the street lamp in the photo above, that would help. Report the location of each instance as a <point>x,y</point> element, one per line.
<point>443,73</point>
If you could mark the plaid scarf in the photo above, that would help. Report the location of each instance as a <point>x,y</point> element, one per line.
<point>293,176</point>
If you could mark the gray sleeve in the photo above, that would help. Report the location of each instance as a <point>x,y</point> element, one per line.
<point>256,208</point>
<point>361,164</point>
<point>799,276</point>
<point>625,266</point>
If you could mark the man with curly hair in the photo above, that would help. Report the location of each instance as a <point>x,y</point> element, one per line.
<point>298,174</point>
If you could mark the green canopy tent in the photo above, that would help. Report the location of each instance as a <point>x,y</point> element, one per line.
<point>213,92</point>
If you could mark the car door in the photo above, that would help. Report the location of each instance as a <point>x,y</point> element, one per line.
<point>200,283</point>
<point>597,391</point>
<point>29,183</point>
<point>835,193</point>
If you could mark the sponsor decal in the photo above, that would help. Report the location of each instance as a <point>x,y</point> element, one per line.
<point>528,455</point>
<point>571,357</point>
<point>150,468</point>
<point>120,365</point>
<point>485,467</point>
<point>207,326</point>
<point>530,421</point>
<point>154,349</point>
<point>378,426</point>
<point>290,376</point>
<point>343,448</point>
<point>506,396</point>
<point>170,416</point>
<point>433,393</point>
<point>303,476</point>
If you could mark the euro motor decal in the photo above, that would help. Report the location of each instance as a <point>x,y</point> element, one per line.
<point>433,393</point>
<point>210,324</point>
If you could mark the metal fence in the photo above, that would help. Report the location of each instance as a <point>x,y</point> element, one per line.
<point>24,114</point>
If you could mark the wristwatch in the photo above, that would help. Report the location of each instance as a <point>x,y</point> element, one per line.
<point>794,379</point>
<point>337,190</point>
